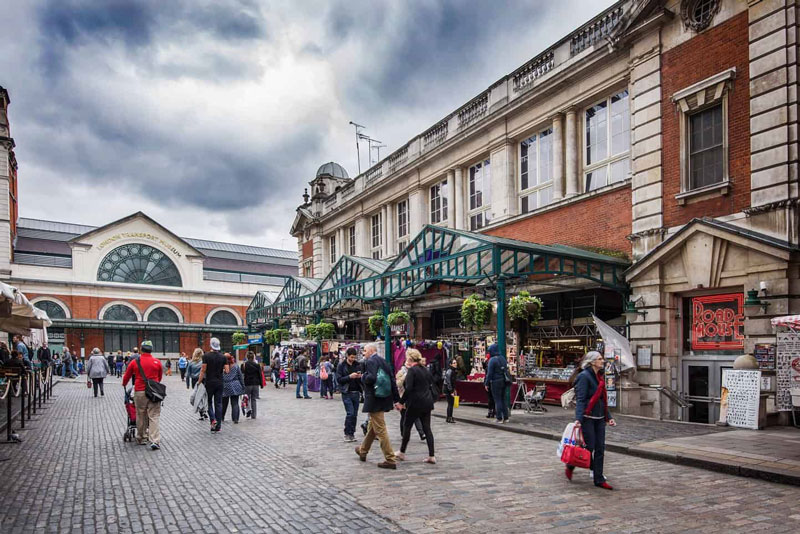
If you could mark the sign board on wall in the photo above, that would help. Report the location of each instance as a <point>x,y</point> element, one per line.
<point>718,322</point>
<point>765,354</point>
<point>742,389</point>
<point>787,370</point>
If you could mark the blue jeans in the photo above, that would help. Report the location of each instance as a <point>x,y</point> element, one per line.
<point>302,378</point>
<point>594,434</point>
<point>499,393</point>
<point>351,400</point>
<point>214,392</point>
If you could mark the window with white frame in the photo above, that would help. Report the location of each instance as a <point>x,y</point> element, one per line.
<point>332,248</point>
<point>377,235</point>
<point>607,141</point>
<point>480,197</point>
<point>439,202</point>
<point>402,219</point>
<point>351,239</point>
<point>703,119</point>
<point>536,171</point>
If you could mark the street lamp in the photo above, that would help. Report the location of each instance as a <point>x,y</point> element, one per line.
<point>752,301</point>
<point>631,313</point>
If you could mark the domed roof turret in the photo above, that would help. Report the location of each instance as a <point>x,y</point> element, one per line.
<point>333,169</point>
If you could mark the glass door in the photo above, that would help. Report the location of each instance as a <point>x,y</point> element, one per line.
<point>702,385</point>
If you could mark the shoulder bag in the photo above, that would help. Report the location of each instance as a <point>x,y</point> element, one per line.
<point>576,454</point>
<point>154,391</point>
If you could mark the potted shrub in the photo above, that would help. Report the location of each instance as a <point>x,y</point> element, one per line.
<point>476,312</point>
<point>376,324</point>
<point>397,318</point>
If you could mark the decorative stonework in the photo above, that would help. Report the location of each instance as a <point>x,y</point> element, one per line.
<point>772,206</point>
<point>698,14</point>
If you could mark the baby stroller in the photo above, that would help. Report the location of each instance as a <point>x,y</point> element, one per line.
<point>130,432</point>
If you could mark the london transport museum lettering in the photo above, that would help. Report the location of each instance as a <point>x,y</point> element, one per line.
<point>717,322</point>
<point>139,235</point>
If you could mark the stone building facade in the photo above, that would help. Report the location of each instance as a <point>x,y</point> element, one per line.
<point>661,131</point>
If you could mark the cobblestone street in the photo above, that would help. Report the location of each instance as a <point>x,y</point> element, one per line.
<point>290,471</point>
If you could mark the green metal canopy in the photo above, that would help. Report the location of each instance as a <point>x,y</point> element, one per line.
<point>444,256</point>
<point>259,306</point>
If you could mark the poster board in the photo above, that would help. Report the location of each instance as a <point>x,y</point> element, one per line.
<point>742,389</point>
<point>765,354</point>
<point>644,356</point>
<point>787,375</point>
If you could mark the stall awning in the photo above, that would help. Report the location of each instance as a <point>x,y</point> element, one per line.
<point>789,321</point>
<point>18,315</point>
<point>88,324</point>
<point>450,257</point>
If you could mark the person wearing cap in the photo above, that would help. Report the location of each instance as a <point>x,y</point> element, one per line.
<point>148,412</point>
<point>591,414</point>
<point>495,382</point>
<point>214,364</point>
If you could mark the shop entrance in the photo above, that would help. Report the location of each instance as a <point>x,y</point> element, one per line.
<point>702,384</point>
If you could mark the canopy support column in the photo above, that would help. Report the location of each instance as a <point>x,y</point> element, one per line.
<point>387,334</point>
<point>501,315</point>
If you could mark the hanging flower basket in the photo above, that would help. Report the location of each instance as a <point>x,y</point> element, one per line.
<point>524,307</point>
<point>376,324</point>
<point>239,338</point>
<point>475,312</point>
<point>397,318</point>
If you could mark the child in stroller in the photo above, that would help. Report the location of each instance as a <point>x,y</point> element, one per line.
<point>130,432</point>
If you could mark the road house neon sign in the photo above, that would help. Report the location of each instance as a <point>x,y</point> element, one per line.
<point>717,322</point>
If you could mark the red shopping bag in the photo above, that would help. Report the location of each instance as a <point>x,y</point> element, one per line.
<point>576,454</point>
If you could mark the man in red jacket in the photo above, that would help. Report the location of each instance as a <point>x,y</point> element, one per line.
<point>147,411</point>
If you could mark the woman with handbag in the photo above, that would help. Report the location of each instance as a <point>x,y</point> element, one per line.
<point>450,388</point>
<point>417,400</point>
<point>591,414</point>
<point>253,382</point>
<point>232,388</point>
<point>496,381</point>
<point>96,370</point>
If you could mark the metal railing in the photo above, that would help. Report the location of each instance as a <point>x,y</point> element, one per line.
<point>673,396</point>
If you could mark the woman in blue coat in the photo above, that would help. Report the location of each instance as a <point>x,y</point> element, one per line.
<point>591,413</point>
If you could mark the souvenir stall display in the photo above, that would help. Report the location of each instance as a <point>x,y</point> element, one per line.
<point>471,390</point>
<point>551,363</point>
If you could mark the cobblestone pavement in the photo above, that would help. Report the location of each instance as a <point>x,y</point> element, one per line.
<point>290,471</point>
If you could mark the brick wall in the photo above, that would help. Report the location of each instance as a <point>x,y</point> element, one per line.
<point>602,221</point>
<point>709,53</point>
<point>308,250</point>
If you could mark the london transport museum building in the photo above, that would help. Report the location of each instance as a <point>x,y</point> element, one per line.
<point>646,163</point>
<point>132,279</point>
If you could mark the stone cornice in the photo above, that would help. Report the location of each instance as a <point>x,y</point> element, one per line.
<point>772,206</point>
<point>646,233</point>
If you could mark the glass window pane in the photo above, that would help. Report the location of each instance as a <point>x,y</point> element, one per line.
<point>595,179</point>
<point>596,124</point>
<point>619,170</point>
<point>620,123</point>
<point>486,183</point>
<point>545,156</point>
<point>545,196</point>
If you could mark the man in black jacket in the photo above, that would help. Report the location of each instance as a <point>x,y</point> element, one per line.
<point>43,354</point>
<point>375,368</point>
<point>349,376</point>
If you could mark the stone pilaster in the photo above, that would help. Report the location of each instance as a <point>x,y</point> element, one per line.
<point>558,157</point>
<point>416,212</point>
<point>571,152</point>
<point>362,236</point>
<point>503,186</point>
<point>458,198</point>
<point>451,199</point>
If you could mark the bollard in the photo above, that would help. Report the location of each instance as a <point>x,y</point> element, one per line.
<point>28,381</point>
<point>8,412</point>
<point>33,392</point>
<point>22,401</point>
<point>39,388</point>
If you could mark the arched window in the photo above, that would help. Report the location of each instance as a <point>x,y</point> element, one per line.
<point>223,317</point>
<point>119,312</point>
<point>138,264</point>
<point>53,309</point>
<point>163,315</point>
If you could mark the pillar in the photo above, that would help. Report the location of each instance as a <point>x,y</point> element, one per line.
<point>458,199</point>
<point>385,232</point>
<point>558,157</point>
<point>416,212</point>
<point>451,200</point>
<point>362,236</point>
<point>391,231</point>
<point>501,315</point>
<point>387,334</point>
<point>571,164</point>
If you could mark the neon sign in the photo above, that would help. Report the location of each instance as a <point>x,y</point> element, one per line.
<point>718,322</point>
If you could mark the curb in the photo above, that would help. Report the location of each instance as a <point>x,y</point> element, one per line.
<point>689,460</point>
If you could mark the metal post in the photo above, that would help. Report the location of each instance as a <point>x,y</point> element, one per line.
<point>8,411</point>
<point>501,316</point>
<point>30,395</point>
<point>387,334</point>
<point>22,378</point>
<point>33,393</point>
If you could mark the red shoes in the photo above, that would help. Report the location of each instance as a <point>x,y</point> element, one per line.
<point>604,485</point>
<point>568,473</point>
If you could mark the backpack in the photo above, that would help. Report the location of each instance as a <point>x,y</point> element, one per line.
<point>383,384</point>
<point>323,372</point>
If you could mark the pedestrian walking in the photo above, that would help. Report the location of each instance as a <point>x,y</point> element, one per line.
<point>110,360</point>
<point>44,355</point>
<point>148,413</point>
<point>97,369</point>
<point>301,368</point>
<point>349,377</point>
<point>214,364</point>
<point>119,361</point>
<point>400,378</point>
<point>591,414</point>
<point>282,377</point>
<point>275,367</point>
<point>182,363</point>
<point>5,354</point>
<point>253,382</point>
<point>490,398</point>
<point>325,378</point>
<point>193,368</point>
<point>380,394</point>
<point>232,388</point>
<point>168,366</point>
<point>418,399</point>
<point>496,382</point>
<point>449,385</point>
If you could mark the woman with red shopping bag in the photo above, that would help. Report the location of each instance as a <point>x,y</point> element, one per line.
<point>591,414</point>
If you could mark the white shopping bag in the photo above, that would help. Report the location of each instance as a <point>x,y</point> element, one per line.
<point>566,439</point>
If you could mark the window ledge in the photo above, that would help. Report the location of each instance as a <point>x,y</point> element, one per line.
<point>704,193</point>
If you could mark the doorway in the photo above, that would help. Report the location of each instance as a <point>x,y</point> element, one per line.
<point>702,384</point>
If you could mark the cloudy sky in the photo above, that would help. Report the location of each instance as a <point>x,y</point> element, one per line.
<point>212,115</point>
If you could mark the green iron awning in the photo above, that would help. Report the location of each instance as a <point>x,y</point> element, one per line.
<point>452,257</point>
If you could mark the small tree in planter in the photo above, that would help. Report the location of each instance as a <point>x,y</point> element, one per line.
<point>326,331</point>
<point>524,310</point>
<point>475,312</point>
<point>397,318</point>
<point>376,324</point>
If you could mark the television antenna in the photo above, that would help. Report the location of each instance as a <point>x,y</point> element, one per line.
<point>358,136</point>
